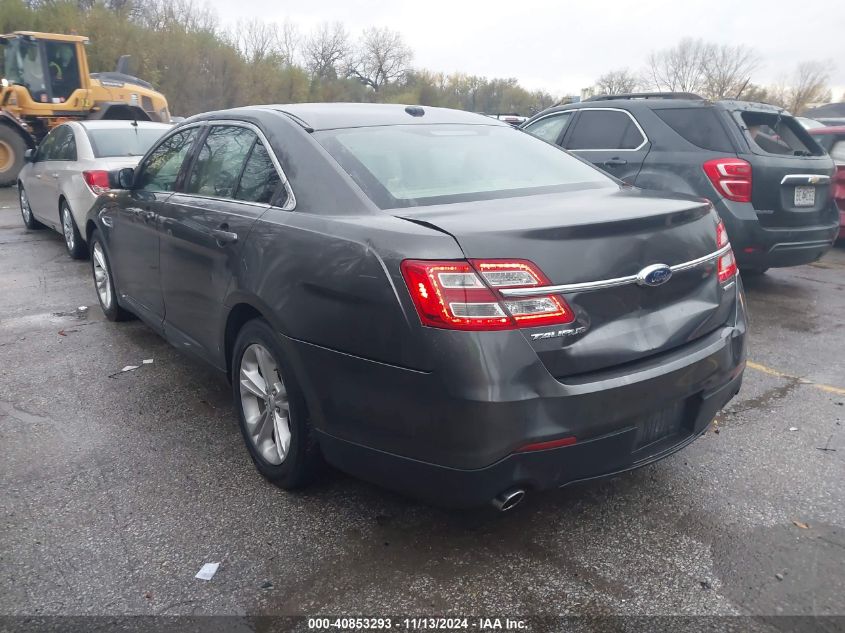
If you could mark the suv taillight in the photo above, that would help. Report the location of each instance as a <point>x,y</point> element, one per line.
<point>727,264</point>
<point>97,181</point>
<point>731,177</point>
<point>463,295</point>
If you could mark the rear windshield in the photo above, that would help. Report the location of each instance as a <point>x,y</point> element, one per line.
<point>129,141</point>
<point>773,133</point>
<point>412,165</point>
<point>699,126</point>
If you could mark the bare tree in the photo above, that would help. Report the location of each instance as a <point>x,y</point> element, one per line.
<point>325,50</point>
<point>616,82</point>
<point>257,40</point>
<point>382,57</point>
<point>680,68</point>
<point>808,85</point>
<point>289,41</point>
<point>727,70</point>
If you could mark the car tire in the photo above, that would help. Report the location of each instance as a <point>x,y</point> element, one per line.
<point>12,150</point>
<point>29,220</point>
<point>274,423</point>
<point>104,281</point>
<point>73,240</point>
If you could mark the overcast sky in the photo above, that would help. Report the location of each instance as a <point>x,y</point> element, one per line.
<point>563,46</point>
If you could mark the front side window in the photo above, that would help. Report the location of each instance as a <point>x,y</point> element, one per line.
<point>837,152</point>
<point>260,179</point>
<point>45,149</point>
<point>24,65</point>
<point>604,129</point>
<point>161,169</point>
<point>550,127</point>
<point>220,161</point>
<point>411,165</point>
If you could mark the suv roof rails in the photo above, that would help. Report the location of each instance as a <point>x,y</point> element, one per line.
<point>647,95</point>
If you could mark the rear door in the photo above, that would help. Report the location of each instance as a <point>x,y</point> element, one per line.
<point>230,185</point>
<point>791,174</point>
<point>611,139</point>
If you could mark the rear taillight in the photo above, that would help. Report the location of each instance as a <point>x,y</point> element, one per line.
<point>463,295</point>
<point>731,177</point>
<point>727,264</point>
<point>97,181</point>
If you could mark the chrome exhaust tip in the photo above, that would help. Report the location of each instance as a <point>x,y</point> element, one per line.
<point>508,500</point>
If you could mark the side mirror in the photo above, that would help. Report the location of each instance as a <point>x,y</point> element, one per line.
<point>122,178</point>
<point>29,155</point>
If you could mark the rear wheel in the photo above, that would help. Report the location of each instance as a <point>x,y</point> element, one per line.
<point>73,240</point>
<point>104,281</point>
<point>271,409</point>
<point>29,220</point>
<point>12,149</point>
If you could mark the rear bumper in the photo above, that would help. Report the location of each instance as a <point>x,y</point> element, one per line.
<point>454,438</point>
<point>603,456</point>
<point>756,246</point>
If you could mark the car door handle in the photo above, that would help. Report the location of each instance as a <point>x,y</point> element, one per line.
<point>615,162</point>
<point>150,216</point>
<point>55,175</point>
<point>223,236</point>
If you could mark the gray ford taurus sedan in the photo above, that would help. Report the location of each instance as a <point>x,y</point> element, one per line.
<point>428,299</point>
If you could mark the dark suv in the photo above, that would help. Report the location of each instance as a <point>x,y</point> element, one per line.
<point>768,178</point>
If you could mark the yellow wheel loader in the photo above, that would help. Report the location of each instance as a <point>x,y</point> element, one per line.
<point>46,81</point>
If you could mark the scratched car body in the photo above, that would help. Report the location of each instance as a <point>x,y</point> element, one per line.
<point>425,298</point>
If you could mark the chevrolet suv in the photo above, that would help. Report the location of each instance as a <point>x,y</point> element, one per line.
<point>768,178</point>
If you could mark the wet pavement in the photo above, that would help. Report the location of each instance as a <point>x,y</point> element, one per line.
<point>116,489</point>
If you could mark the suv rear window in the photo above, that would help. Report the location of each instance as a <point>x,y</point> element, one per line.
<point>774,133</point>
<point>699,126</point>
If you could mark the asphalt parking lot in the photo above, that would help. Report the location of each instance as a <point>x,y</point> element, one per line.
<point>115,488</point>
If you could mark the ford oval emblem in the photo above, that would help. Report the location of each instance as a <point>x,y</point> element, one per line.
<point>654,275</point>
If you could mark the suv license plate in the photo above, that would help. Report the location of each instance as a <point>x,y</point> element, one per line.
<point>805,196</point>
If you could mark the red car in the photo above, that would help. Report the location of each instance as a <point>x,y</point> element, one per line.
<point>833,140</point>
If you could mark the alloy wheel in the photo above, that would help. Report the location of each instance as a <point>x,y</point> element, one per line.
<point>67,227</point>
<point>102,276</point>
<point>265,404</point>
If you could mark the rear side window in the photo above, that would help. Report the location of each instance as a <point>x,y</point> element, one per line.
<point>604,129</point>
<point>550,127</point>
<point>161,169</point>
<point>773,133</point>
<point>131,141</point>
<point>260,178</point>
<point>699,126</point>
<point>220,161</point>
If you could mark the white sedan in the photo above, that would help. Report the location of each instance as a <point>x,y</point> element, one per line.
<point>67,172</point>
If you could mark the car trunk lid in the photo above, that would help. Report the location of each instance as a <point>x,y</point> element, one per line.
<point>598,235</point>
